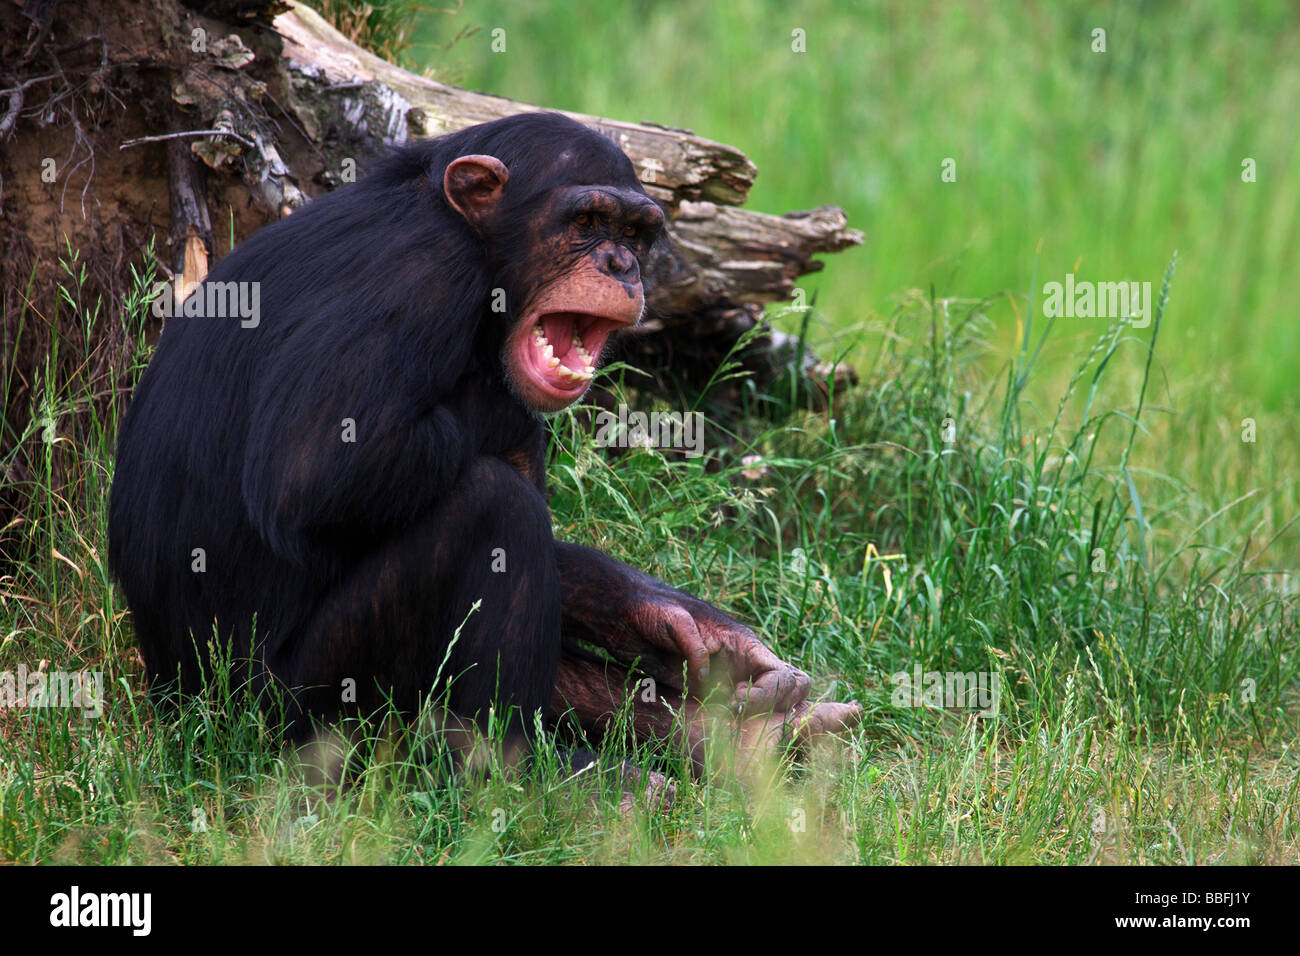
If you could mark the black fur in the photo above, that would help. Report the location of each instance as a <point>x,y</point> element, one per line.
<point>356,560</point>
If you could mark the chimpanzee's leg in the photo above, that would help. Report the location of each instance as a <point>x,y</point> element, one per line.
<point>385,628</point>
<point>594,692</point>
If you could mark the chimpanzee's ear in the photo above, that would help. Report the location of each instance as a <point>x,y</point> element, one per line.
<point>473,185</point>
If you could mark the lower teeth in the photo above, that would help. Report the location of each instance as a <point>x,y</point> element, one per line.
<point>553,363</point>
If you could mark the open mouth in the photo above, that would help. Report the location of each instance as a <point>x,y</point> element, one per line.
<point>561,351</point>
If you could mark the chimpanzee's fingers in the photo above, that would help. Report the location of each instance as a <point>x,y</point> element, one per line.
<point>780,688</point>
<point>682,635</point>
<point>665,666</point>
<point>764,682</point>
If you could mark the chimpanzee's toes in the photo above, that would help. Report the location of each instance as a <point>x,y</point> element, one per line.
<point>660,792</point>
<point>827,718</point>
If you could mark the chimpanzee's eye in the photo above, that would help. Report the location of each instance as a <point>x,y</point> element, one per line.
<point>630,232</point>
<point>583,219</point>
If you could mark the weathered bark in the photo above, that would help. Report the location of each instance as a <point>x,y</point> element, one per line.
<point>190,242</point>
<point>675,164</point>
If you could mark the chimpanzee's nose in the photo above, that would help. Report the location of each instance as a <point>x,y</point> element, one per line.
<point>622,265</point>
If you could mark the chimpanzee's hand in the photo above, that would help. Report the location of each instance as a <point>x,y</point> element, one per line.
<point>641,620</point>
<point>772,694</point>
<point>716,648</point>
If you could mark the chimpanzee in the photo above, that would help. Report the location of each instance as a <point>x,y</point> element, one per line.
<point>347,487</point>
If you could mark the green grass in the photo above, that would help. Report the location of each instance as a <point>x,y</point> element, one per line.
<point>1125,616</point>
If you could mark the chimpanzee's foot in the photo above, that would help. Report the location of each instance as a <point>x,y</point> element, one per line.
<point>797,729</point>
<point>658,792</point>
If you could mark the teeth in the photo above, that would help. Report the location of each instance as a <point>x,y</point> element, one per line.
<point>548,353</point>
<point>553,363</point>
<point>570,376</point>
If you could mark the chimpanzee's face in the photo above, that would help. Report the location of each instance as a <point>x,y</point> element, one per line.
<point>583,250</point>
<point>595,239</point>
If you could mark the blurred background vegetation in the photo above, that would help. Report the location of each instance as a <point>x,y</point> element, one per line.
<point>1096,163</point>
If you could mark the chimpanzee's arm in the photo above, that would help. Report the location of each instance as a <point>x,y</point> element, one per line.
<point>343,472</point>
<point>329,459</point>
<point>634,615</point>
